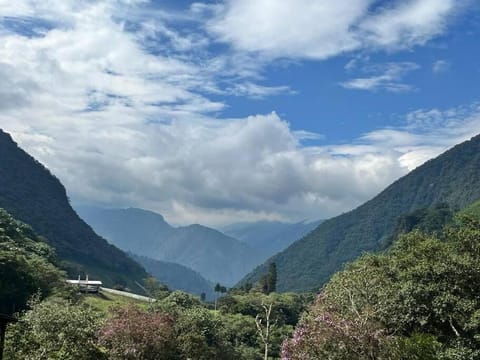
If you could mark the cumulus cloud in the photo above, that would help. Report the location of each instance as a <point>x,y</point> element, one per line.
<point>322,29</point>
<point>124,125</point>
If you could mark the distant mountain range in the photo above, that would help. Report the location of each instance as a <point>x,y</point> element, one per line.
<point>452,178</point>
<point>33,195</point>
<point>269,237</point>
<point>216,256</point>
<point>176,276</point>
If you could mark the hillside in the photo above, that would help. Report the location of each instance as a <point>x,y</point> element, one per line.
<point>33,195</point>
<point>452,178</point>
<point>269,237</point>
<point>176,276</point>
<point>216,256</point>
<point>27,265</point>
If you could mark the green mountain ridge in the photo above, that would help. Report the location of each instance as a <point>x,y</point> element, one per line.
<point>34,196</point>
<point>216,256</point>
<point>452,178</point>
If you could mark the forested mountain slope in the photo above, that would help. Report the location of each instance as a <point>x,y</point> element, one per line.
<point>216,256</point>
<point>452,178</point>
<point>33,195</point>
<point>269,237</point>
<point>176,276</point>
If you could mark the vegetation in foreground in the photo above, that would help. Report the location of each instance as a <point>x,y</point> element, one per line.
<point>417,300</point>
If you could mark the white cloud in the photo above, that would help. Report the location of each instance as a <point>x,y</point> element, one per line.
<point>256,91</point>
<point>440,66</point>
<point>121,126</point>
<point>322,29</point>
<point>216,171</point>
<point>389,79</point>
<point>407,23</point>
<point>289,28</point>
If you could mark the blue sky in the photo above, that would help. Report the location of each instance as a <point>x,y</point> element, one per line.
<point>236,110</point>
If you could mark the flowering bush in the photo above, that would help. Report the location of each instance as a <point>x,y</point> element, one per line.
<point>131,333</point>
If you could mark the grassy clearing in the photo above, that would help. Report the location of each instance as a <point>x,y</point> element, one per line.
<point>104,301</point>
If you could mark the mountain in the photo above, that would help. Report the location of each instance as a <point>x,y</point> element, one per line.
<point>33,195</point>
<point>452,178</point>
<point>176,276</point>
<point>216,256</point>
<point>269,237</point>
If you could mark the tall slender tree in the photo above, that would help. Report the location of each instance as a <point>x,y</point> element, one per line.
<point>272,277</point>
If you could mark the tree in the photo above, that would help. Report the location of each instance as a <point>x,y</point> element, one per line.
<point>54,330</point>
<point>154,288</point>
<point>131,333</point>
<point>264,330</point>
<point>268,282</point>
<point>219,289</point>
<point>27,265</point>
<point>199,335</point>
<point>420,299</point>
<point>272,278</point>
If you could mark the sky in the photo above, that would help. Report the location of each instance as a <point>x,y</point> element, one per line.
<point>238,110</point>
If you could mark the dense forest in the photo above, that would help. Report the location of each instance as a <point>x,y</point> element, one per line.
<point>307,264</point>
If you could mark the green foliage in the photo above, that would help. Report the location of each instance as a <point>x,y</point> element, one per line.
<point>177,301</point>
<point>452,178</point>
<point>287,308</point>
<point>199,335</point>
<point>240,331</point>
<point>427,220</point>
<point>268,282</point>
<point>104,302</point>
<point>54,330</point>
<point>26,265</point>
<point>154,288</point>
<point>417,301</point>
<point>472,211</point>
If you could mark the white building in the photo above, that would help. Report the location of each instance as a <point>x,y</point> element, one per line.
<point>87,286</point>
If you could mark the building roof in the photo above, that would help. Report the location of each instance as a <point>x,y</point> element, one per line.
<point>84,282</point>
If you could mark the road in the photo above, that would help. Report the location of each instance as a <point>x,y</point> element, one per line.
<point>128,294</point>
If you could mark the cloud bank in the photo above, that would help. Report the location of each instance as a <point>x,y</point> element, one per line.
<point>122,111</point>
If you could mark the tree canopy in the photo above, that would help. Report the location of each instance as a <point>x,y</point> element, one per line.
<point>419,298</point>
